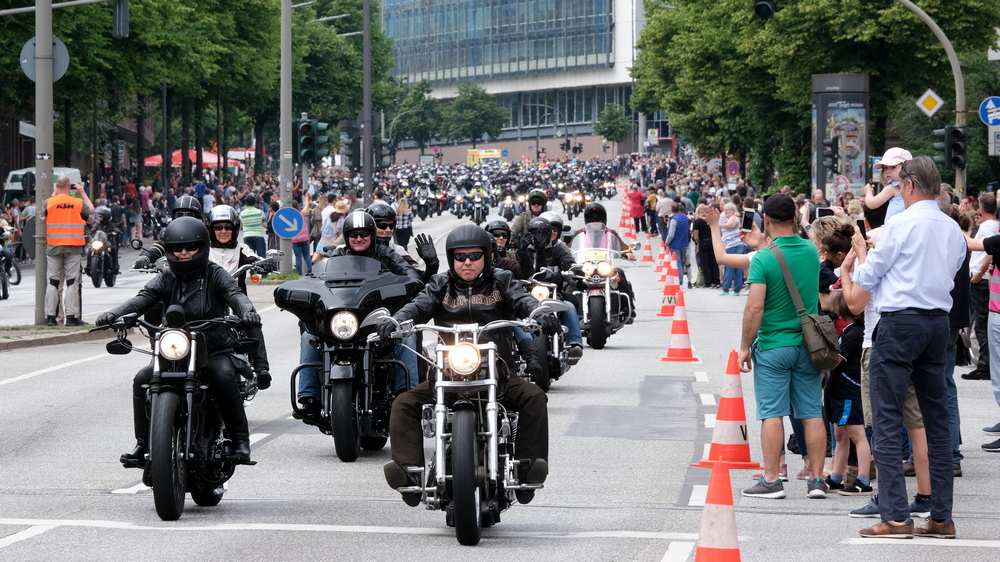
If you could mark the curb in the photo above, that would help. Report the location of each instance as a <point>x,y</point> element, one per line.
<point>53,339</point>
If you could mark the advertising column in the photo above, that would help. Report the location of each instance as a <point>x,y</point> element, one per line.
<point>840,109</point>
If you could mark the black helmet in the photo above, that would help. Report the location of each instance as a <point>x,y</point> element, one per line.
<point>224,213</point>
<point>539,223</point>
<point>381,211</point>
<point>104,215</point>
<point>186,230</point>
<point>469,236</point>
<point>595,213</point>
<point>187,205</point>
<point>359,220</point>
<point>554,218</point>
<point>498,225</point>
<point>538,195</point>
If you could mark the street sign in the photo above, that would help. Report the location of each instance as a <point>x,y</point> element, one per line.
<point>841,184</point>
<point>989,111</point>
<point>531,148</point>
<point>542,155</point>
<point>993,141</point>
<point>436,149</point>
<point>504,153</point>
<point>287,223</point>
<point>60,59</point>
<point>733,168</point>
<point>930,103</point>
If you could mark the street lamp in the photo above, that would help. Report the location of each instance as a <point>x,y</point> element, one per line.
<point>555,126</point>
<point>392,124</point>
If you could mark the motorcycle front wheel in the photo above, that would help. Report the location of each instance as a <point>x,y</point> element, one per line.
<point>15,274</point>
<point>4,285</point>
<point>109,273</point>
<point>166,456</point>
<point>464,485</point>
<point>543,379</point>
<point>343,420</point>
<point>598,329</point>
<point>95,274</point>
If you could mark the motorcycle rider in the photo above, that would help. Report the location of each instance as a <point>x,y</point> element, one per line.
<point>360,234</point>
<point>556,256</point>
<point>104,224</point>
<point>205,291</point>
<point>595,213</point>
<point>463,194</point>
<point>385,224</point>
<point>537,200</point>
<point>184,206</point>
<point>472,291</point>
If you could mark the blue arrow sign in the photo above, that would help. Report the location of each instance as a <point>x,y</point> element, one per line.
<point>287,222</point>
<point>989,111</point>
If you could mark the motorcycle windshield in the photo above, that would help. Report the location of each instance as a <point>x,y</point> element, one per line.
<point>595,243</point>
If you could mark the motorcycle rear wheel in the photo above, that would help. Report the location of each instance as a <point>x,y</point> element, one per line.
<point>4,285</point>
<point>167,465</point>
<point>343,420</point>
<point>598,330</point>
<point>464,485</point>
<point>95,275</point>
<point>109,274</point>
<point>15,274</point>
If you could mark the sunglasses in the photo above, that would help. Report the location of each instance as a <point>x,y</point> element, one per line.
<point>500,234</point>
<point>385,225</point>
<point>186,247</point>
<point>358,234</point>
<point>221,227</point>
<point>462,256</point>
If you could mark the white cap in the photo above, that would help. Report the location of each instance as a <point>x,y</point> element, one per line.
<point>893,156</point>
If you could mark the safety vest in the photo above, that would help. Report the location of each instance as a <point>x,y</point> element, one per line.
<point>64,225</point>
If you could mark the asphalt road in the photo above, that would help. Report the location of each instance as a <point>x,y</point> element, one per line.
<point>624,427</point>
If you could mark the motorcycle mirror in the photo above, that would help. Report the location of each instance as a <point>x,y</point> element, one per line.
<point>174,316</point>
<point>375,317</point>
<point>119,347</point>
<point>136,244</point>
<point>275,253</point>
<point>567,228</point>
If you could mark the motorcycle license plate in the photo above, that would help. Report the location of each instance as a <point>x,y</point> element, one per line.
<point>596,255</point>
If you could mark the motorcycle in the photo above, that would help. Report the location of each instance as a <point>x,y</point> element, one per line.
<point>100,261</point>
<point>507,209</point>
<point>158,224</point>
<point>442,202</point>
<point>605,309</point>
<point>472,475</point>
<point>551,350</point>
<point>422,207</point>
<point>356,378</point>
<point>459,206</point>
<point>189,449</point>
<point>12,278</point>
<point>478,211</point>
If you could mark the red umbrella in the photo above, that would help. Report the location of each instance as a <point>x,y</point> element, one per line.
<point>208,159</point>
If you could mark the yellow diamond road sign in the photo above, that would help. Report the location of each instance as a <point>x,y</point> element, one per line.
<point>930,103</point>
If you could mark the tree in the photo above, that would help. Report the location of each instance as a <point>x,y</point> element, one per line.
<point>613,123</point>
<point>472,115</point>
<point>423,123</point>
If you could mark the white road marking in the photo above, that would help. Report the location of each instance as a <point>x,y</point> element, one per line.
<point>53,368</point>
<point>708,400</point>
<point>678,552</point>
<point>923,542</point>
<point>698,494</point>
<point>700,376</point>
<point>257,437</point>
<point>25,534</point>
<point>708,449</point>
<point>133,490</point>
<point>710,420</point>
<point>267,309</point>
<point>363,529</point>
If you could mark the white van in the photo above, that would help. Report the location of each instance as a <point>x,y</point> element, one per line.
<point>12,188</point>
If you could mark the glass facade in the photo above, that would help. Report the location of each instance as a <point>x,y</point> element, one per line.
<point>449,40</point>
<point>573,107</point>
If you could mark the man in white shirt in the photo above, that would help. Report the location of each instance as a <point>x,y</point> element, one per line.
<point>979,291</point>
<point>910,274</point>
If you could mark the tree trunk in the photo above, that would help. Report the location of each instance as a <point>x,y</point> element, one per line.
<point>67,156</point>
<point>220,155</point>
<point>95,160</point>
<point>199,138</point>
<point>140,118</point>
<point>258,132</point>
<point>185,142</point>
<point>224,141</point>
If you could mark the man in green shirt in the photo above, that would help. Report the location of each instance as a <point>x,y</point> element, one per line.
<point>253,226</point>
<point>785,380</point>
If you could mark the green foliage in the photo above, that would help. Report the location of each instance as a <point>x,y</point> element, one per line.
<point>613,123</point>
<point>423,124</point>
<point>472,115</point>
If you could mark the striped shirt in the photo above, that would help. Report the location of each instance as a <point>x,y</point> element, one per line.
<point>253,222</point>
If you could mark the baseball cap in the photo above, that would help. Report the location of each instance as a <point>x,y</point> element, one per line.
<point>893,156</point>
<point>780,207</point>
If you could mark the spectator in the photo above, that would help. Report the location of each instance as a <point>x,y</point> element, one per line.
<point>65,217</point>
<point>979,284</point>
<point>732,277</point>
<point>300,245</point>
<point>702,234</point>
<point>890,165</point>
<point>252,218</point>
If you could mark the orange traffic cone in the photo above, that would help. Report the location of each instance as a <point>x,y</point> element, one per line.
<point>680,340</point>
<point>668,268</point>
<point>729,438</point>
<point>661,259</point>
<point>717,538</point>
<point>647,253</point>
<point>670,290</point>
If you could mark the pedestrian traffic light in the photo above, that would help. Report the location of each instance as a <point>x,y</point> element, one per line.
<point>831,155</point>
<point>944,147</point>
<point>351,154</point>
<point>307,140</point>
<point>578,148</point>
<point>383,153</point>
<point>763,9</point>
<point>321,149</point>
<point>959,142</point>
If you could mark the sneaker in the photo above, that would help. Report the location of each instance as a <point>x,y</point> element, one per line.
<point>50,321</point>
<point>920,509</point>
<point>762,489</point>
<point>856,489</point>
<point>993,430</point>
<point>724,294</point>
<point>909,469</point>
<point>817,489</point>
<point>889,530</point>
<point>834,486</point>
<point>992,447</point>
<point>976,375</point>
<point>869,510</point>
<point>804,473</point>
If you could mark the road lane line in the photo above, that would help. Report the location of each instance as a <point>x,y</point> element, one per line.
<point>53,368</point>
<point>678,552</point>
<point>257,437</point>
<point>25,534</point>
<point>700,376</point>
<point>698,494</point>
<point>267,309</point>
<point>708,449</point>
<point>710,421</point>
<point>708,400</point>
<point>133,490</point>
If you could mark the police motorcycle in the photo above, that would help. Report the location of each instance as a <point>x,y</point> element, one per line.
<point>473,473</point>
<point>551,350</point>
<point>356,378</point>
<point>100,266</point>
<point>189,447</point>
<point>605,309</point>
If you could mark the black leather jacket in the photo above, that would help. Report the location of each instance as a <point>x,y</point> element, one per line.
<point>205,295</point>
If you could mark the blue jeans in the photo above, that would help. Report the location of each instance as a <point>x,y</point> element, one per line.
<point>732,278</point>
<point>303,259</point>
<point>571,320</point>
<point>309,382</point>
<point>679,262</point>
<point>256,243</point>
<point>954,420</point>
<point>409,359</point>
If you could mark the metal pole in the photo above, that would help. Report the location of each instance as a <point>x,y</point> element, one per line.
<point>287,164</point>
<point>366,130</point>
<point>305,170</point>
<point>956,69</point>
<point>44,147</point>
<point>165,153</point>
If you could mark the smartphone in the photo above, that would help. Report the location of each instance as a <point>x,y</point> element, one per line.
<point>861,227</point>
<point>747,221</point>
<point>824,212</point>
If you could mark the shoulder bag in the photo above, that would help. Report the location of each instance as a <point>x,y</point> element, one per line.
<point>819,336</point>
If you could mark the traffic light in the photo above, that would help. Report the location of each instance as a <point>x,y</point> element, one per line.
<point>383,154</point>
<point>119,19</point>
<point>959,142</point>
<point>763,9</point>
<point>565,145</point>
<point>351,154</point>
<point>831,154</point>
<point>321,149</point>
<point>944,147</point>
<point>578,148</point>
<point>306,134</point>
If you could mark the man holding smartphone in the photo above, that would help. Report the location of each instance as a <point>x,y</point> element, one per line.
<point>65,215</point>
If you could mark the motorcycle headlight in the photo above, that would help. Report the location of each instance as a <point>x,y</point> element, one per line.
<point>96,245</point>
<point>464,359</point>
<point>569,196</point>
<point>588,269</point>
<point>540,292</point>
<point>520,199</point>
<point>174,345</point>
<point>605,269</point>
<point>344,325</point>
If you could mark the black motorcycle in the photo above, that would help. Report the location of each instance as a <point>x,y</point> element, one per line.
<point>356,377</point>
<point>189,449</point>
<point>7,279</point>
<point>478,211</point>
<point>100,258</point>
<point>423,207</point>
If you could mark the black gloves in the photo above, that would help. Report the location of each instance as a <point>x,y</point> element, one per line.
<point>106,319</point>
<point>549,323</point>
<point>263,380</point>
<point>523,243</point>
<point>385,330</point>
<point>141,263</point>
<point>251,319</point>
<point>425,248</point>
<point>540,238</point>
<point>267,266</point>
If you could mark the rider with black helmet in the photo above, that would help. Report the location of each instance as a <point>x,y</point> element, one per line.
<point>184,206</point>
<point>472,291</point>
<point>385,224</point>
<point>537,201</point>
<point>595,213</point>
<point>205,291</point>
<point>104,224</point>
